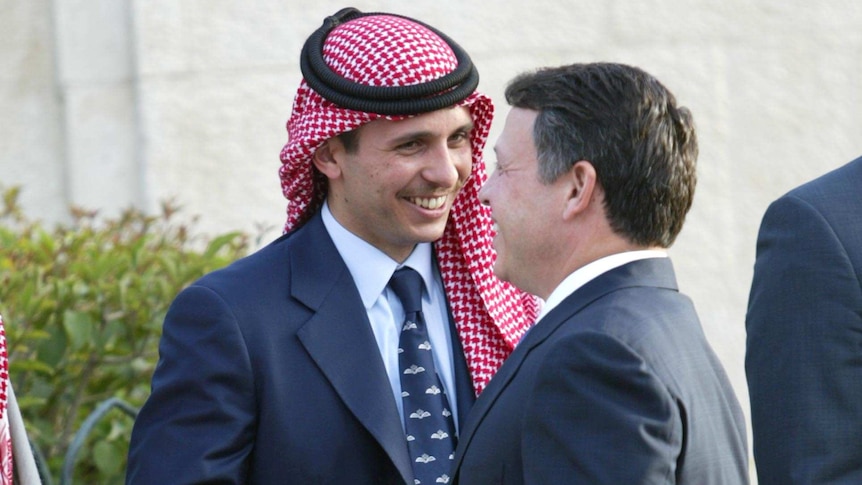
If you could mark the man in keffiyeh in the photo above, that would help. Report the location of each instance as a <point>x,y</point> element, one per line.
<point>284,366</point>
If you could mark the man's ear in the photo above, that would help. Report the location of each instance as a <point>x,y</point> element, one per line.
<point>326,158</point>
<point>582,186</point>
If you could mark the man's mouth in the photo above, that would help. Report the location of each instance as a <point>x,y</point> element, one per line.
<point>430,203</point>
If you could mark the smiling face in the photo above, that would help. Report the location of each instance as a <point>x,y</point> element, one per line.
<point>396,188</point>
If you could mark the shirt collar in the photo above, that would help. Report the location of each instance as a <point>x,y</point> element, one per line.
<point>370,268</point>
<point>588,272</point>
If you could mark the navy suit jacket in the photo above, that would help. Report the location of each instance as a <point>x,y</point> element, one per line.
<point>269,373</point>
<point>616,385</point>
<point>804,324</point>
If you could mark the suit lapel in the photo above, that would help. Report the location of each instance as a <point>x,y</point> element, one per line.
<point>501,380</point>
<point>465,394</point>
<point>339,339</point>
<point>654,272</point>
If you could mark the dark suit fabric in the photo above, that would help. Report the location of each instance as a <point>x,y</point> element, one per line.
<point>616,385</point>
<point>269,374</point>
<point>804,324</point>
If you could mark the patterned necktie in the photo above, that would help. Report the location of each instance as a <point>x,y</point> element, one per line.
<point>427,418</point>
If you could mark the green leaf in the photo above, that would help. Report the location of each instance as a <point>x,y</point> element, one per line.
<point>218,243</point>
<point>21,366</point>
<point>79,328</point>
<point>52,348</point>
<point>29,402</point>
<point>108,457</point>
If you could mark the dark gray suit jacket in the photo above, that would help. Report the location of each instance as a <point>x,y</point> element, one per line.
<point>804,323</point>
<point>270,374</point>
<point>616,385</point>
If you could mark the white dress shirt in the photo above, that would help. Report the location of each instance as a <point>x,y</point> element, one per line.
<point>587,273</point>
<point>371,270</point>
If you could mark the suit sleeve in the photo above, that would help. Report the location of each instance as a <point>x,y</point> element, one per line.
<point>198,424</point>
<point>804,351</point>
<point>598,415</point>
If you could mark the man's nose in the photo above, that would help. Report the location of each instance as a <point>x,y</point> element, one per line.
<point>485,191</point>
<point>444,166</point>
<point>483,197</point>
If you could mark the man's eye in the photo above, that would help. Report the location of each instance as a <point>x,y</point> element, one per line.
<point>505,170</point>
<point>408,146</point>
<point>459,138</point>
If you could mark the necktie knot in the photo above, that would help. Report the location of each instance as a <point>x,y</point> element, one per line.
<point>407,285</point>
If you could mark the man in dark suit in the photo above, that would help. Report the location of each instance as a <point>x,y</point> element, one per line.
<point>616,383</point>
<point>284,367</point>
<point>804,354</point>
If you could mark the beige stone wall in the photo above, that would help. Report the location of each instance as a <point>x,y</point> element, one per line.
<point>106,103</point>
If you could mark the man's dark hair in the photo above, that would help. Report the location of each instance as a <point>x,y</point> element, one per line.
<point>350,140</point>
<point>628,126</point>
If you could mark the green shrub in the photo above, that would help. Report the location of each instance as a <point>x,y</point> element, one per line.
<point>83,306</point>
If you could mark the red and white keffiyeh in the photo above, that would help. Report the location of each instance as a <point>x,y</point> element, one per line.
<point>385,50</point>
<point>6,459</point>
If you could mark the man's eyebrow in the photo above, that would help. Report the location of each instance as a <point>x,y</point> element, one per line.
<point>465,128</point>
<point>504,162</point>
<point>497,161</point>
<point>468,126</point>
<point>416,135</point>
<point>410,136</point>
